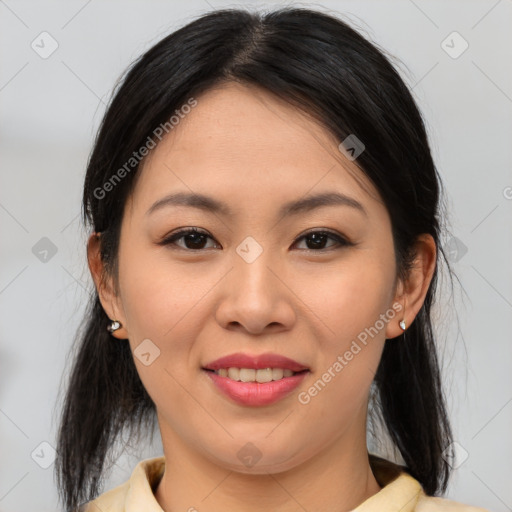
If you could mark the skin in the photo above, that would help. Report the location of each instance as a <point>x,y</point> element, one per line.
<point>254,152</point>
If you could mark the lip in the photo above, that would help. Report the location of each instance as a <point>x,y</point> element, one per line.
<point>260,361</point>
<point>256,394</point>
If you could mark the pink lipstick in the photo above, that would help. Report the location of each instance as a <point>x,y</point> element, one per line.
<point>256,380</point>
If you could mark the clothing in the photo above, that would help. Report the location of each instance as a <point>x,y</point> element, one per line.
<point>400,492</point>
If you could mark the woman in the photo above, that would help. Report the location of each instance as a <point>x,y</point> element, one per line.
<point>265,246</point>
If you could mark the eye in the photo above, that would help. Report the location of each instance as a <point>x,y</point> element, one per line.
<point>194,239</point>
<point>316,240</point>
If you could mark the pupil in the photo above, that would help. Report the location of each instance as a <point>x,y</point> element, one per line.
<point>194,237</point>
<point>317,239</point>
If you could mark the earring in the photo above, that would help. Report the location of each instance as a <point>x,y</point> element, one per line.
<point>113,326</point>
<point>402,324</point>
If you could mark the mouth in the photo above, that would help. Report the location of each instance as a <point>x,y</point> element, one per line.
<point>255,380</point>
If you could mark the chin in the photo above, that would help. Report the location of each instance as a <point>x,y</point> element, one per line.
<point>258,459</point>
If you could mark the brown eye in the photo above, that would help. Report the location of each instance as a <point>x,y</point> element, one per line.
<point>193,239</point>
<point>316,240</point>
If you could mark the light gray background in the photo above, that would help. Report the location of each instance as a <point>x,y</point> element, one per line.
<point>50,109</point>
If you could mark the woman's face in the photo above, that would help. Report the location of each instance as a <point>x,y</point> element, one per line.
<point>257,283</point>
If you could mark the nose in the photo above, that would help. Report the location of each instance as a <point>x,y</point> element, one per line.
<point>256,297</point>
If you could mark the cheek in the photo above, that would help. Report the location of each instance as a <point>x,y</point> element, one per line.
<point>158,294</point>
<point>349,297</point>
<point>162,304</point>
<point>350,300</point>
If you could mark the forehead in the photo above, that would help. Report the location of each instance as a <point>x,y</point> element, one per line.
<point>246,146</point>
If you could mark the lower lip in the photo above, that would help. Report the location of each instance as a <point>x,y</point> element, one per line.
<point>255,393</point>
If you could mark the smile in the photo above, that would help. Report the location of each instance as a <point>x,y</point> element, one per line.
<point>253,393</point>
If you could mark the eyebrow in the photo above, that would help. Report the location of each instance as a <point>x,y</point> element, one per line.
<point>304,205</point>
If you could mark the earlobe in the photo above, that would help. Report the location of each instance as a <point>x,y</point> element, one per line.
<point>400,321</point>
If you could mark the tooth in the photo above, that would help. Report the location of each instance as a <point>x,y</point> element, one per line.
<point>264,375</point>
<point>234,373</point>
<point>252,375</point>
<point>277,373</point>
<point>247,374</point>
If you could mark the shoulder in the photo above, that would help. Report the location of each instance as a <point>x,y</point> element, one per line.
<point>134,494</point>
<point>434,504</point>
<point>405,492</point>
<point>109,501</point>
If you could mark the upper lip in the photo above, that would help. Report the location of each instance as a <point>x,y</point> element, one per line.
<point>260,361</point>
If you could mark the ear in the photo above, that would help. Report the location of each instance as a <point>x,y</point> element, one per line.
<point>105,287</point>
<point>411,293</point>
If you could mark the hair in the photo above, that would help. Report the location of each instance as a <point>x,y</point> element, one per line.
<point>320,65</point>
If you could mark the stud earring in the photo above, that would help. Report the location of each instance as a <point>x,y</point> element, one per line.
<point>402,324</point>
<point>114,325</point>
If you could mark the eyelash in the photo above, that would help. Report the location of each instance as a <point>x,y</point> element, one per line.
<point>342,242</point>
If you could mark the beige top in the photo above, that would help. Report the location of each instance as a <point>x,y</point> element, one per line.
<point>400,492</point>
